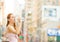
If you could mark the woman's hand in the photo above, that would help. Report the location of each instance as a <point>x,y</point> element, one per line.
<point>18,19</point>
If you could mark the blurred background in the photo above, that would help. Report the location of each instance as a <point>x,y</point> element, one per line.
<point>37,16</point>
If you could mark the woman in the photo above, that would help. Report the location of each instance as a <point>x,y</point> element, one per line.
<point>12,30</point>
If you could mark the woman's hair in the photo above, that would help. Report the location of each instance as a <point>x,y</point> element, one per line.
<point>8,17</point>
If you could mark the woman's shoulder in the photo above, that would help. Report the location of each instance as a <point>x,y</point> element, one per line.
<point>9,26</point>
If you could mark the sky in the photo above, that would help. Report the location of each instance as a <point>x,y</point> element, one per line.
<point>10,5</point>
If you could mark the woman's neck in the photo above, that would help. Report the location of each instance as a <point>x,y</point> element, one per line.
<point>11,24</point>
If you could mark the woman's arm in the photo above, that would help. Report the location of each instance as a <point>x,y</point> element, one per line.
<point>19,26</point>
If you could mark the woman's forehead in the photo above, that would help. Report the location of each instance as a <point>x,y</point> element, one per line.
<point>12,15</point>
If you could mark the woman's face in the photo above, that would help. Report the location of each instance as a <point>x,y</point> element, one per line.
<point>11,19</point>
